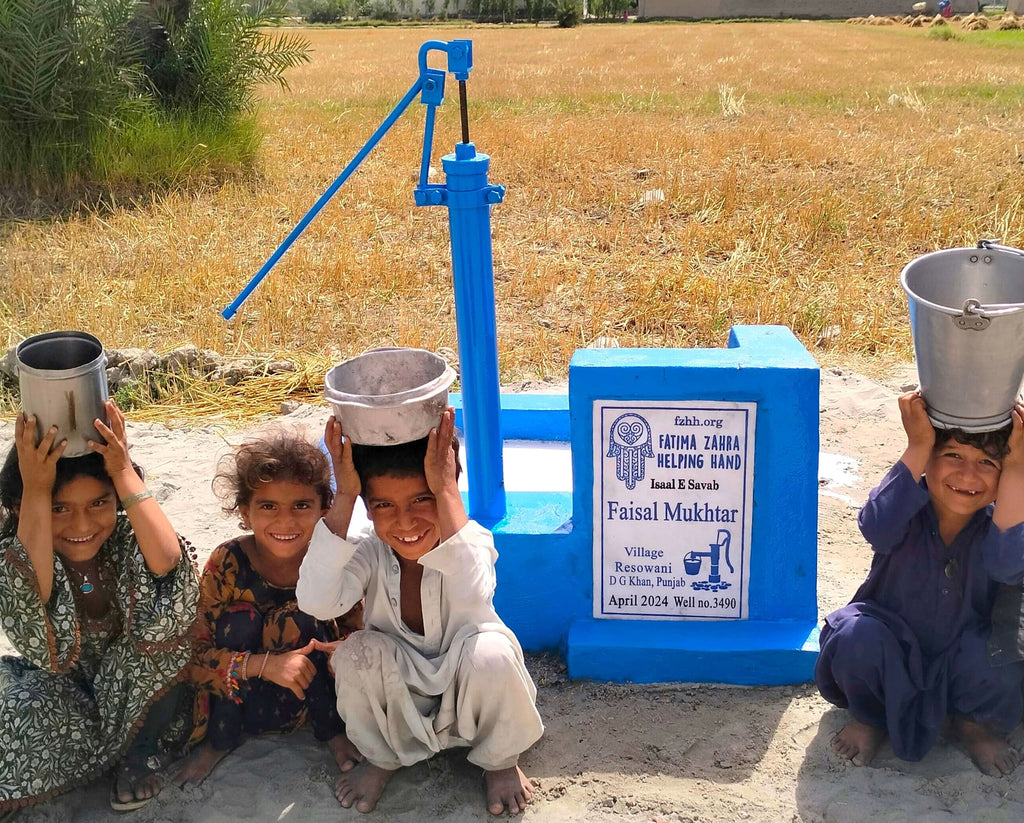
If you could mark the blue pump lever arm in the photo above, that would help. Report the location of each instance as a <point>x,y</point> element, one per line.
<point>460,61</point>
<point>300,227</point>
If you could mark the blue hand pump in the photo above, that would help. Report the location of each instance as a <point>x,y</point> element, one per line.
<point>468,197</point>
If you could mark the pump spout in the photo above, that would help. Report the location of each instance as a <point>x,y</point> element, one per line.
<point>724,539</point>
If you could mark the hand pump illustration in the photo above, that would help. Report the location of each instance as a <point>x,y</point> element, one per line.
<point>468,197</point>
<point>693,560</point>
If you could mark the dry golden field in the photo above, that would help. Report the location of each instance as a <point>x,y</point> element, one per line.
<point>802,165</point>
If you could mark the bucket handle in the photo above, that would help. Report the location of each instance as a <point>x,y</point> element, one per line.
<point>972,318</point>
<point>976,317</point>
<point>994,245</point>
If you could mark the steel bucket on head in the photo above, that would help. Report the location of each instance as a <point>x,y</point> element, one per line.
<point>63,380</point>
<point>967,320</point>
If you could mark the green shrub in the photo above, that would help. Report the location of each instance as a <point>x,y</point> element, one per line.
<point>378,10</point>
<point>68,71</point>
<point>100,90</point>
<point>212,59</point>
<point>568,14</point>
<point>943,31</point>
<point>325,11</point>
<point>164,150</point>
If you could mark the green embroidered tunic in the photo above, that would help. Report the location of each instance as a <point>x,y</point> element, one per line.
<point>71,705</point>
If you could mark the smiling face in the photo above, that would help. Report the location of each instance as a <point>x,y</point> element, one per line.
<point>84,511</point>
<point>962,479</point>
<point>282,515</point>
<point>404,514</point>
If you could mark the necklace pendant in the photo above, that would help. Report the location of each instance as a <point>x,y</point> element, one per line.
<point>86,588</point>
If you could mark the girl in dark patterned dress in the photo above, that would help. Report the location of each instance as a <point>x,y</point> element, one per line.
<point>98,594</point>
<point>259,664</point>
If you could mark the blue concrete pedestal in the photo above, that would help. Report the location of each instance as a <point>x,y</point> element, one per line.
<point>777,643</point>
<point>748,653</point>
<point>546,541</point>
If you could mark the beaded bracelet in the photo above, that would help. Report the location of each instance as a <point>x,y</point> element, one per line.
<point>232,675</point>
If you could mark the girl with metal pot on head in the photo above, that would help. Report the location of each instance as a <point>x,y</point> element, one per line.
<point>98,594</point>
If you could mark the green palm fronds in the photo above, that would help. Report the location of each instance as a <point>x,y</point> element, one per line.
<point>76,72</point>
<point>218,55</point>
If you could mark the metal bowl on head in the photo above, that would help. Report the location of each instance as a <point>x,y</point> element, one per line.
<point>62,376</point>
<point>389,396</point>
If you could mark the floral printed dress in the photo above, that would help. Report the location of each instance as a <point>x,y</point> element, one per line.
<point>242,611</point>
<point>72,703</point>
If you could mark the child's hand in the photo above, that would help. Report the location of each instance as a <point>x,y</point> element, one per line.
<point>38,467</point>
<point>293,670</point>
<point>1015,457</point>
<point>349,488</point>
<point>340,449</point>
<point>115,449</point>
<point>920,433</point>
<point>328,649</point>
<point>37,464</point>
<point>439,463</point>
<point>919,429</point>
<point>439,468</point>
<point>1009,509</point>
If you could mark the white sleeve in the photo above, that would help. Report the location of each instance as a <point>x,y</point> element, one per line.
<point>466,559</point>
<point>334,573</point>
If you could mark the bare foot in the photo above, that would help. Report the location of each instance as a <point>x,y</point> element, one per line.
<point>362,786</point>
<point>195,768</point>
<point>346,755</point>
<point>858,742</point>
<point>989,751</point>
<point>507,787</point>
<point>134,787</point>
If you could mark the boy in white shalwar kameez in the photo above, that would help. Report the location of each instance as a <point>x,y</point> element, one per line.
<point>435,667</point>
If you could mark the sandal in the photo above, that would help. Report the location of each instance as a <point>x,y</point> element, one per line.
<point>133,773</point>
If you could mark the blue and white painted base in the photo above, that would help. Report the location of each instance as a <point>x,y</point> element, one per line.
<point>546,539</point>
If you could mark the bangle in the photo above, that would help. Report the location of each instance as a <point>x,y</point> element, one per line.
<point>245,667</point>
<point>265,658</point>
<point>132,499</point>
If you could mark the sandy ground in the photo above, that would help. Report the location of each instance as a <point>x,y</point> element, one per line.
<point>664,753</point>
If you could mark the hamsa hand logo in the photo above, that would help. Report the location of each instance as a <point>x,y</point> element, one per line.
<point>629,442</point>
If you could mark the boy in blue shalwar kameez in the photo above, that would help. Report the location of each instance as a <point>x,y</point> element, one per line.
<point>912,647</point>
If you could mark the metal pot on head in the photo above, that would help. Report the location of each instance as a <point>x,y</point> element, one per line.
<point>63,380</point>
<point>389,396</point>
<point>967,320</point>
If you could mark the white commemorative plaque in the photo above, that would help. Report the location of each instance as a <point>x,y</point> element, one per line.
<point>673,491</point>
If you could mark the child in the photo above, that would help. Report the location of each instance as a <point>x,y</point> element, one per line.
<point>259,663</point>
<point>99,596</point>
<point>435,666</point>
<point>910,648</point>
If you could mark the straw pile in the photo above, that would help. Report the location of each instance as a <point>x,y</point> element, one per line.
<point>971,22</point>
